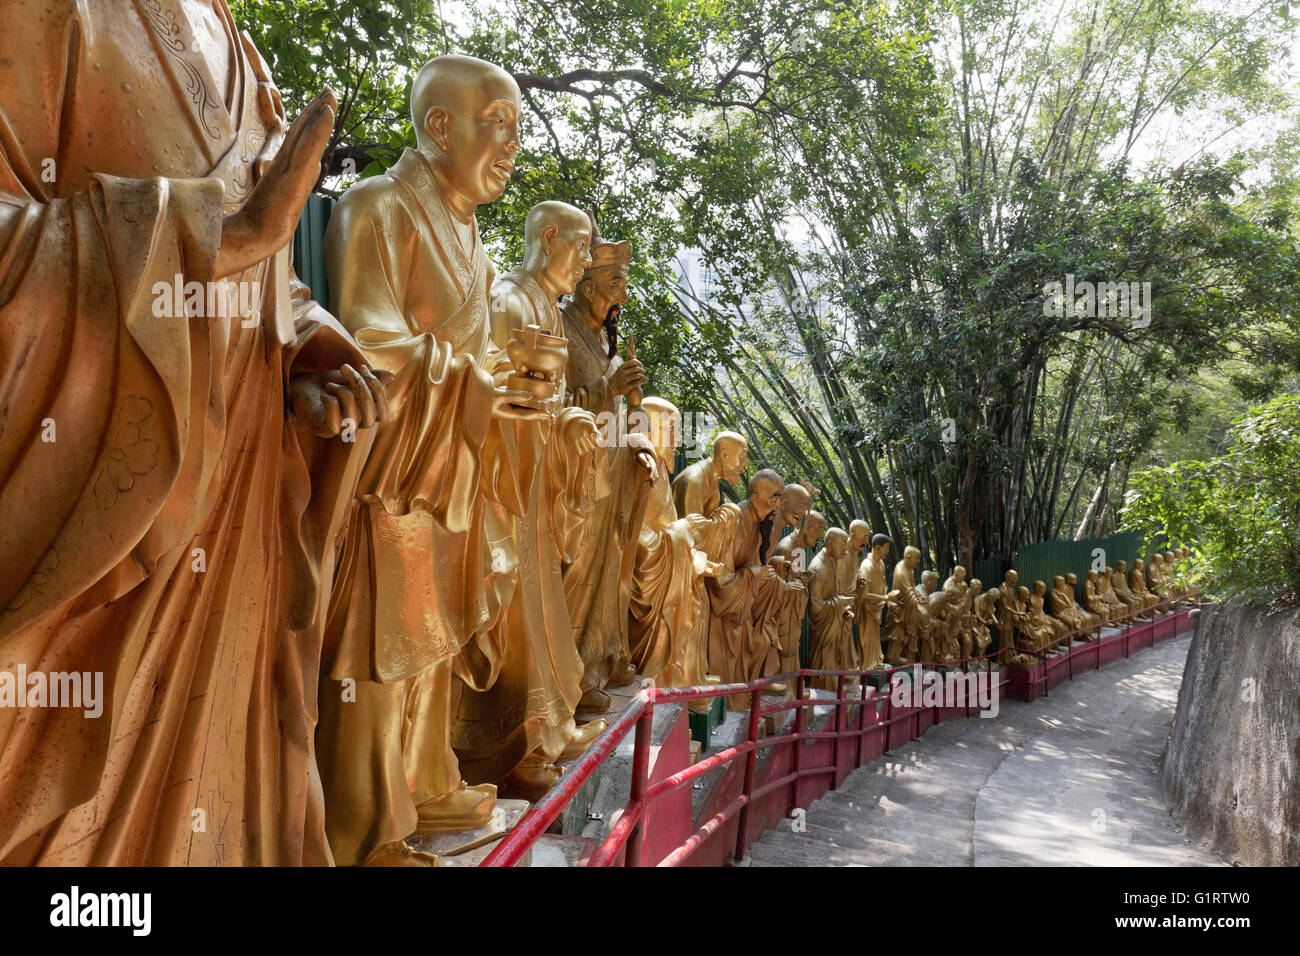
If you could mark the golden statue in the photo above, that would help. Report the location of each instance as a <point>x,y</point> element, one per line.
<point>1009,614</point>
<point>1034,630</point>
<point>859,535</point>
<point>1086,619</point>
<point>179,445</point>
<point>788,559</point>
<point>870,600</point>
<point>986,616</point>
<point>1119,584</point>
<point>411,280</point>
<point>830,609</point>
<point>784,627</point>
<point>1137,585</point>
<point>597,584</point>
<point>514,731</point>
<point>1053,628</point>
<point>910,618</point>
<point>746,588</point>
<point>1106,587</point>
<point>1093,599</point>
<point>1158,573</point>
<point>668,599</point>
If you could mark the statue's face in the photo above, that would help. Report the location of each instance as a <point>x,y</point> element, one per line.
<point>1012,578</point>
<point>665,431</point>
<point>858,537</point>
<point>1071,579</point>
<point>912,559</point>
<point>794,508</point>
<point>1121,566</point>
<point>1022,593</point>
<point>567,243</point>
<point>1092,576</point>
<point>880,551</point>
<point>1040,588</point>
<point>481,139</point>
<point>733,457</point>
<point>1058,582</point>
<point>975,588</point>
<point>837,546</point>
<point>958,574</point>
<point>813,529</point>
<point>604,289</point>
<point>1137,565</point>
<point>766,498</point>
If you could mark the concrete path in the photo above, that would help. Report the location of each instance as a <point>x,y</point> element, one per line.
<point>1071,779</point>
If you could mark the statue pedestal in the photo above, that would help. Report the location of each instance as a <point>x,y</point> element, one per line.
<point>704,722</point>
<point>452,844</point>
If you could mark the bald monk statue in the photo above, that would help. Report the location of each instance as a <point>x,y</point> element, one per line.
<point>514,731</point>
<point>181,433</point>
<point>908,621</point>
<point>409,277</point>
<point>1093,599</point>
<point>859,535</point>
<point>1137,584</point>
<point>784,554</point>
<point>1119,584</point>
<point>1106,587</point>
<point>870,599</point>
<point>668,597</point>
<point>831,609</point>
<point>597,583</point>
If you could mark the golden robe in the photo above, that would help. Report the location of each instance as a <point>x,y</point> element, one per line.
<point>427,568</point>
<point>171,436</point>
<point>530,707</point>
<point>794,605</point>
<point>831,626</point>
<point>598,581</point>
<point>665,604</point>
<point>867,611</point>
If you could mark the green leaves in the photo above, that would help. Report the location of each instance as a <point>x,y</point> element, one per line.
<point>1241,510</point>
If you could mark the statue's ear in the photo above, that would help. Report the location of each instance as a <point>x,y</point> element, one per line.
<point>549,232</point>
<point>437,122</point>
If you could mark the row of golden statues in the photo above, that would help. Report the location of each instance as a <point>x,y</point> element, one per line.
<point>347,572</point>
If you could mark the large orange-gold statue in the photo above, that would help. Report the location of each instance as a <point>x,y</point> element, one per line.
<point>597,584</point>
<point>516,730</point>
<point>745,593</point>
<point>788,558</point>
<point>871,597</point>
<point>908,621</point>
<point>777,626</point>
<point>1138,585</point>
<point>830,607</point>
<point>167,524</point>
<point>669,601</point>
<point>425,572</point>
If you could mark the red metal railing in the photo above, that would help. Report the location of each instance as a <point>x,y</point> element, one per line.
<point>626,834</point>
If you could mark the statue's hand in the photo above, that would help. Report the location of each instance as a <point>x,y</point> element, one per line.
<point>631,374</point>
<point>265,223</point>
<point>645,461</point>
<point>580,433</point>
<point>323,401</point>
<point>519,406</point>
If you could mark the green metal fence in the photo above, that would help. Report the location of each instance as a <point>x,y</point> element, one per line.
<point>1046,559</point>
<point>309,246</point>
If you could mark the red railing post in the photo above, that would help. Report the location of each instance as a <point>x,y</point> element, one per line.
<point>742,828</point>
<point>640,777</point>
<point>800,728</point>
<point>839,729</point>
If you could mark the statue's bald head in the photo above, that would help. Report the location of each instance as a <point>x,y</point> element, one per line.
<point>814,525</point>
<point>795,502</point>
<point>859,533</point>
<point>730,455</point>
<point>554,213</point>
<point>460,85</point>
<point>665,424</point>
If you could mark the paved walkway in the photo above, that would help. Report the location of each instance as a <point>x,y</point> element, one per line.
<point>1071,779</point>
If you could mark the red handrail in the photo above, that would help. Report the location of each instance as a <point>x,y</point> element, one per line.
<point>626,835</point>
